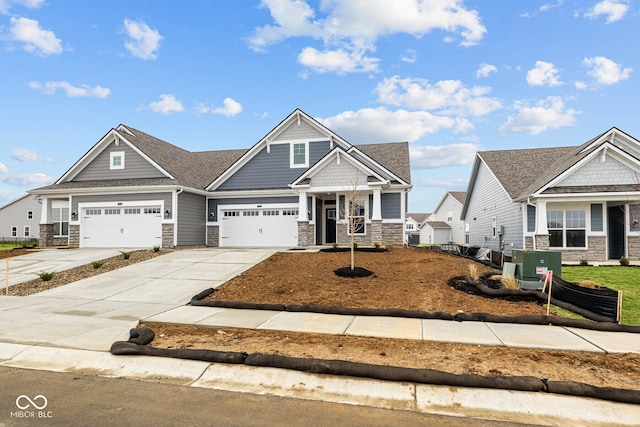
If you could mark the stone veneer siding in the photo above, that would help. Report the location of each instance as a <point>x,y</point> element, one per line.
<point>213,236</point>
<point>388,235</point>
<point>597,251</point>
<point>46,235</point>
<point>167,235</point>
<point>633,247</point>
<point>542,241</point>
<point>306,234</point>
<point>392,235</point>
<point>74,236</point>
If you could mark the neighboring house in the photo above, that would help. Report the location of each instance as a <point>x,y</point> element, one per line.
<point>583,201</point>
<point>292,188</point>
<point>445,225</point>
<point>413,228</point>
<point>19,219</point>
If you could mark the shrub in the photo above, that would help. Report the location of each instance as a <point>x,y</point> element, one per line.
<point>510,282</point>
<point>156,248</point>
<point>624,261</point>
<point>588,284</point>
<point>355,245</point>
<point>45,276</point>
<point>125,255</point>
<point>584,262</point>
<point>474,273</point>
<point>97,264</point>
<point>335,246</point>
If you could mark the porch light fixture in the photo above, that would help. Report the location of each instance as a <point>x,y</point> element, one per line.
<point>212,216</point>
<point>167,212</point>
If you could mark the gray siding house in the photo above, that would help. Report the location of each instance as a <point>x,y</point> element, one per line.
<point>292,188</point>
<point>19,219</point>
<point>583,200</point>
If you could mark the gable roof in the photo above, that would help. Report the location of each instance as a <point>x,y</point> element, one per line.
<point>394,156</point>
<point>524,172</point>
<point>418,217</point>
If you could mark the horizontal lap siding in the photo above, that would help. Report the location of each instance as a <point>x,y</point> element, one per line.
<point>191,219</point>
<point>135,166</point>
<point>272,169</point>
<point>488,199</point>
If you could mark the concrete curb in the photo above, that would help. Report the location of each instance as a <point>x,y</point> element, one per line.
<point>500,405</point>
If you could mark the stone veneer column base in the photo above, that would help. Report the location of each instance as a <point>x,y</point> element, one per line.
<point>306,234</point>
<point>74,236</point>
<point>213,236</point>
<point>46,235</point>
<point>167,235</point>
<point>392,235</point>
<point>542,242</point>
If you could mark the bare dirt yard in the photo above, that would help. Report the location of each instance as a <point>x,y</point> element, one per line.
<point>412,278</point>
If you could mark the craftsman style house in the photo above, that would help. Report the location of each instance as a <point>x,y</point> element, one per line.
<point>583,201</point>
<point>292,188</point>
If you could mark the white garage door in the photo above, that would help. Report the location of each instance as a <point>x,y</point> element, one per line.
<point>121,227</point>
<point>259,227</point>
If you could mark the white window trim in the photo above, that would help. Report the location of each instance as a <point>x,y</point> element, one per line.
<point>365,216</point>
<point>564,228</point>
<point>306,154</point>
<point>112,156</point>
<point>27,231</point>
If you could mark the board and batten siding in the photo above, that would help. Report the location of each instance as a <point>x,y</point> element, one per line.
<point>271,170</point>
<point>191,220</point>
<point>135,166</point>
<point>488,200</point>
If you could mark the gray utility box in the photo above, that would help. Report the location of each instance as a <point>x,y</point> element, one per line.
<point>531,265</point>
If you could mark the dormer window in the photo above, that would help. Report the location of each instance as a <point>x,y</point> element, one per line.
<point>116,160</point>
<point>299,155</point>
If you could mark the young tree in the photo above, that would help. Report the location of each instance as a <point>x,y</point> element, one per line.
<point>353,210</point>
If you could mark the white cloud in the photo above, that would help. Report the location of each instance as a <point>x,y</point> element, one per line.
<point>3,168</point>
<point>605,71</point>
<point>543,74</point>
<point>370,125</point>
<point>580,85</point>
<point>22,179</point>
<point>167,104</point>
<point>349,28</point>
<point>338,61</point>
<point>546,114</point>
<point>446,96</point>
<point>142,41</point>
<point>5,5</point>
<point>230,108</point>
<point>485,70</point>
<point>429,157</point>
<point>71,91</point>
<point>35,39</point>
<point>25,155</point>
<point>410,56</point>
<point>614,10</point>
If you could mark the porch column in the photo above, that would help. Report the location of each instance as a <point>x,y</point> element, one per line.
<point>46,226</point>
<point>541,238</point>
<point>376,209</point>
<point>303,208</point>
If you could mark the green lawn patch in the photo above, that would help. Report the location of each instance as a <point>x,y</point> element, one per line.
<point>625,279</point>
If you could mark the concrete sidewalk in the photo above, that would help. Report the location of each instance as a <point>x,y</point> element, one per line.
<point>71,328</point>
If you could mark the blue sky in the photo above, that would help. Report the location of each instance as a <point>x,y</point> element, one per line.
<point>451,77</point>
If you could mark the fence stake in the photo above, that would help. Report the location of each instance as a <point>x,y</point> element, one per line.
<point>549,276</point>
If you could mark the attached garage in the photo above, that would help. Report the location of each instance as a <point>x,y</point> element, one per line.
<point>121,227</point>
<point>258,227</point>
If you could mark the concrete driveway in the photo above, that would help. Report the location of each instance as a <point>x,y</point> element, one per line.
<point>93,313</point>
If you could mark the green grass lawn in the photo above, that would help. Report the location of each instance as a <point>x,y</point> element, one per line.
<point>625,279</point>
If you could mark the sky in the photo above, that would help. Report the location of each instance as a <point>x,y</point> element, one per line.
<point>450,77</point>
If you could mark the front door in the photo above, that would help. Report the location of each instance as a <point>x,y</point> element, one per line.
<point>616,231</point>
<point>330,225</point>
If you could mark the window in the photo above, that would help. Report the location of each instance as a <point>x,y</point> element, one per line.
<point>14,231</point>
<point>92,212</point>
<point>132,211</point>
<point>112,211</point>
<point>250,213</point>
<point>466,233</point>
<point>356,217</point>
<point>60,219</point>
<point>29,214</point>
<point>299,155</point>
<point>231,213</point>
<point>567,229</point>
<point>410,226</point>
<point>290,212</point>
<point>449,216</point>
<point>634,217</point>
<point>152,211</point>
<point>27,231</point>
<point>116,160</point>
<point>270,213</point>
<point>531,218</point>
